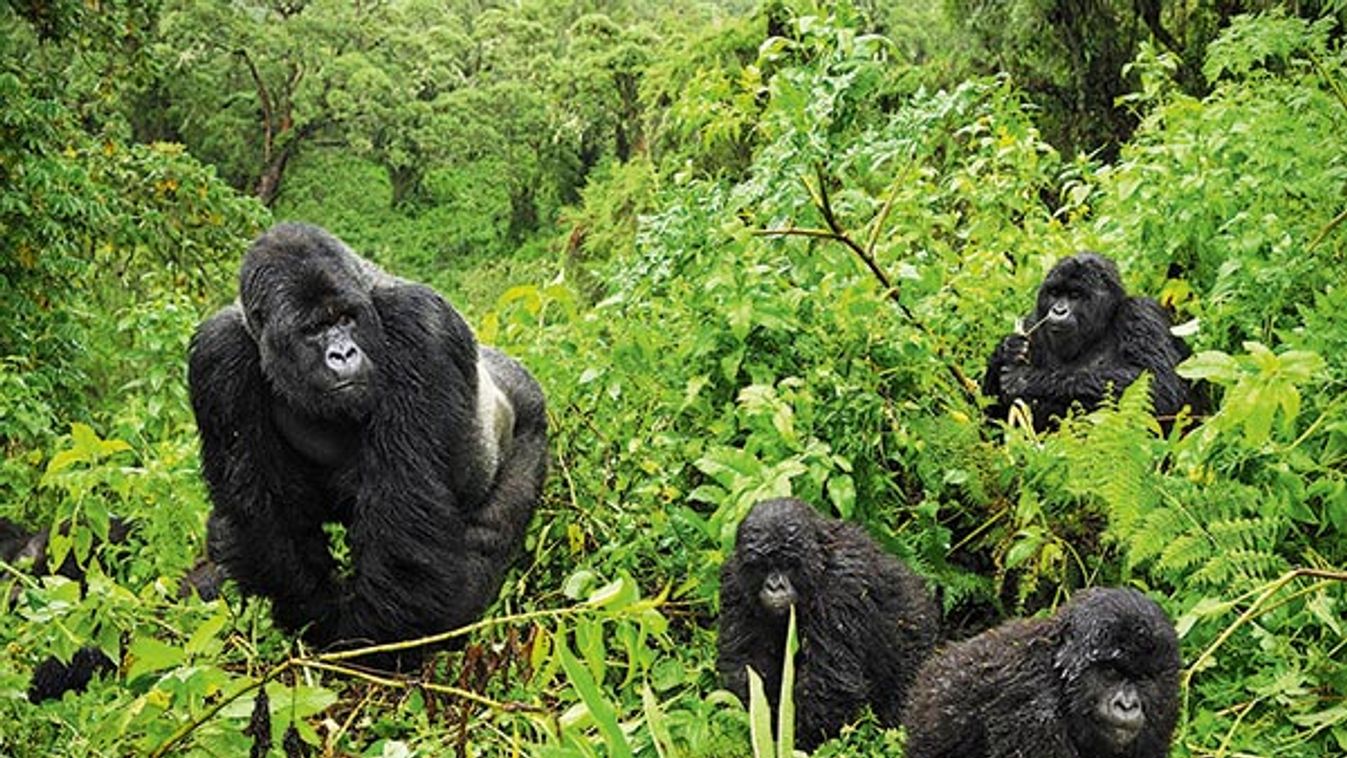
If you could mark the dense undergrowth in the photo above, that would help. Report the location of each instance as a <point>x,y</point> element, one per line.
<point>791,289</point>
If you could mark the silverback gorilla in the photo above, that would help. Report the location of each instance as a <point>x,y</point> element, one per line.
<point>335,392</point>
<point>1086,339</point>
<point>865,621</point>
<point>1099,679</point>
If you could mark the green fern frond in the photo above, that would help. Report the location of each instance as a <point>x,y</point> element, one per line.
<point>1110,456</point>
<point>1154,533</point>
<point>1184,551</point>
<point>1227,566</point>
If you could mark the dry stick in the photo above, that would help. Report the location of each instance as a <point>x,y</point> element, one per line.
<point>400,683</point>
<point>325,661</point>
<point>836,233</point>
<point>1327,230</point>
<point>1248,615</point>
<point>1035,326</point>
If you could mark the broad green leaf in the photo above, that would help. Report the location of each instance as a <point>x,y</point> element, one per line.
<point>148,654</point>
<point>842,494</point>
<point>1210,364</point>
<point>615,595</point>
<point>759,717</point>
<point>785,721</point>
<point>605,717</point>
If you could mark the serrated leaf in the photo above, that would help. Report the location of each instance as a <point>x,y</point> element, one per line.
<point>205,635</point>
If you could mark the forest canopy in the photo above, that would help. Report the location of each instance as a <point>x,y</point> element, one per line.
<point>749,250</point>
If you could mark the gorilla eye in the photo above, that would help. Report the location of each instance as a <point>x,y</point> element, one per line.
<point>1111,670</point>
<point>345,320</point>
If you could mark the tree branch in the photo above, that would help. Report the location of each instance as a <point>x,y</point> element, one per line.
<point>268,109</point>
<point>837,233</point>
<point>1327,230</point>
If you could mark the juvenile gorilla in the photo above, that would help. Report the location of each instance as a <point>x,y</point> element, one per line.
<point>1087,339</point>
<point>52,677</point>
<point>1099,679</point>
<point>864,620</point>
<point>335,392</point>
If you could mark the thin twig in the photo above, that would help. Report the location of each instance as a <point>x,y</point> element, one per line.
<point>1035,326</point>
<point>406,683</point>
<point>882,216</point>
<point>329,662</point>
<point>825,207</point>
<point>1253,611</point>
<point>1331,81</point>
<point>181,732</point>
<point>1327,230</point>
<point>462,631</point>
<point>794,231</point>
<point>837,233</point>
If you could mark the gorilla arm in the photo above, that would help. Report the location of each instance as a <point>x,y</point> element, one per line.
<point>745,638</point>
<point>831,680</point>
<point>433,528</point>
<point>1006,696</point>
<point>248,470</point>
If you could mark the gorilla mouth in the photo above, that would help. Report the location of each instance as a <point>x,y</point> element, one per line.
<point>346,386</point>
<point>1121,731</point>
<point>1121,735</point>
<point>776,603</point>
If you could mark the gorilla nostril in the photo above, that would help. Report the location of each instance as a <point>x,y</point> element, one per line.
<point>1126,702</point>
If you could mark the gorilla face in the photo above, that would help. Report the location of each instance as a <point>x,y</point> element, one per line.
<point>1119,662</point>
<point>317,331</point>
<point>781,552</point>
<point>1077,302</point>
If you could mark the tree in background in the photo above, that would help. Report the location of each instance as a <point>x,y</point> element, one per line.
<point>1072,56</point>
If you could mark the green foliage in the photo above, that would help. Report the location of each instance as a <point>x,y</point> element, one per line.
<point>783,258</point>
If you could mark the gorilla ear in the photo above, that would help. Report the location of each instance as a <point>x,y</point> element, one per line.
<point>252,321</point>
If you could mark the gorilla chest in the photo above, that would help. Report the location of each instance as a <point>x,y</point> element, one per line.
<point>330,445</point>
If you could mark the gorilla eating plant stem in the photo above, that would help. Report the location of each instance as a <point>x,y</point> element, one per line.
<point>837,233</point>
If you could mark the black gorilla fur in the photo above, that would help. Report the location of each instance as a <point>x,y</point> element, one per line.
<point>19,544</point>
<point>335,392</point>
<point>52,678</point>
<point>864,620</point>
<point>1099,679</point>
<point>1088,339</point>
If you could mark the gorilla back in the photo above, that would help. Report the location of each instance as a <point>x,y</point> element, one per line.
<point>335,392</point>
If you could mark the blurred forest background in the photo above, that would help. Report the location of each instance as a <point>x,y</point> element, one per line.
<point>590,183</point>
